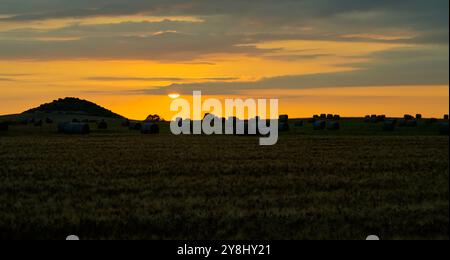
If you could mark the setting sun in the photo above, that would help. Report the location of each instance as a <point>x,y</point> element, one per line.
<point>174,96</point>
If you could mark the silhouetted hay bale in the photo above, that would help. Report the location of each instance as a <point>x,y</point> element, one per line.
<point>102,125</point>
<point>323,116</point>
<point>389,125</point>
<point>411,123</point>
<point>367,119</point>
<point>431,121</point>
<point>419,116</point>
<point>48,120</point>
<point>336,117</point>
<point>445,117</point>
<point>38,123</point>
<point>150,128</point>
<point>298,123</point>
<point>381,118</point>
<point>74,128</point>
<point>443,129</point>
<point>374,119</point>
<point>283,126</point>
<point>408,117</point>
<point>330,116</point>
<point>4,126</point>
<point>319,125</point>
<point>135,126</point>
<point>284,118</point>
<point>313,119</point>
<point>401,123</point>
<point>334,126</point>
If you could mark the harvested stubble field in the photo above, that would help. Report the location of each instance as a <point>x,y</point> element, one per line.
<point>131,186</point>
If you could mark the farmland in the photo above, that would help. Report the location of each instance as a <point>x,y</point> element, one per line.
<point>119,184</point>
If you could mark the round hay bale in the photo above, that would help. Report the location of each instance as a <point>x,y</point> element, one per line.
<point>431,121</point>
<point>408,117</point>
<point>150,128</point>
<point>4,126</point>
<point>445,117</point>
<point>74,128</point>
<point>418,116</point>
<point>298,123</point>
<point>284,118</point>
<point>367,119</point>
<point>381,118</point>
<point>389,125</point>
<point>315,116</point>
<point>319,125</point>
<point>283,126</point>
<point>323,116</point>
<point>443,129</point>
<point>374,119</point>
<point>333,126</point>
<point>330,116</point>
<point>411,123</point>
<point>336,117</point>
<point>135,126</point>
<point>102,125</point>
<point>401,123</point>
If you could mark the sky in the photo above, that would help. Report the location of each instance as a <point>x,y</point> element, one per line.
<point>348,57</point>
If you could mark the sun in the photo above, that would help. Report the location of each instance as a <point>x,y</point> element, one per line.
<point>174,96</point>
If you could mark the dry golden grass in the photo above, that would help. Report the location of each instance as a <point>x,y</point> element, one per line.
<point>125,186</point>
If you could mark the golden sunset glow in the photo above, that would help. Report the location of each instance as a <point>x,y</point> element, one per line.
<point>174,96</point>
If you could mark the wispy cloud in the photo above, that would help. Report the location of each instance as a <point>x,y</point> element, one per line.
<point>399,67</point>
<point>158,79</point>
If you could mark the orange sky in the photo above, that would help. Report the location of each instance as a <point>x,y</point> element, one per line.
<point>129,62</point>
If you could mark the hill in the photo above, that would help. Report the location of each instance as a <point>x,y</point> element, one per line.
<point>74,106</point>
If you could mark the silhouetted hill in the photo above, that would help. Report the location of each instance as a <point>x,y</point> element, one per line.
<point>74,106</point>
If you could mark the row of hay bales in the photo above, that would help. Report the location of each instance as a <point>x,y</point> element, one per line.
<point>234,130</point>
<point>84,128</point>
<point>374,118</point>
<point>74,128</point>
<point>282,126</point>
<point>330,125</point>
<point>283,123</point>
<point>391,124</point>
<point>143,127</point>
<point>327,116</point>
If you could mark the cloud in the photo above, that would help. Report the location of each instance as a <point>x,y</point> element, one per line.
<point>226,26</point>
<point>234,27</point>
<point>157,79</point>
<point>171,46</point>
<point>401,67</point>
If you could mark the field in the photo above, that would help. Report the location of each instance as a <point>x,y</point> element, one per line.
<point>119,184</point>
